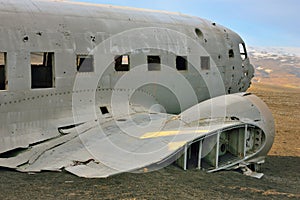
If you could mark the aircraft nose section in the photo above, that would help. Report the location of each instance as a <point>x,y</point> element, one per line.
<point>251,70</point>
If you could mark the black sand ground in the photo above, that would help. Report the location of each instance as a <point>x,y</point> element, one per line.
<point>281,181</point>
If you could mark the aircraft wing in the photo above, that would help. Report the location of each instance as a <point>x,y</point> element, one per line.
<point>142,141</point>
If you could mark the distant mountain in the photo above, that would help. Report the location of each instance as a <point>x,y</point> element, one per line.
<point>276,65</point>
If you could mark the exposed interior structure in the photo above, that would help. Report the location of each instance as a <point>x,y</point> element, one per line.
<point>222,149</point>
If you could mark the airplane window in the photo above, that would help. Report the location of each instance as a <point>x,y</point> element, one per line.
<point>243,51</point>
<point>42,69</point>
<point>122,63</point>
<point>181,63</point>
<point>2,71</point>
<point>153,63</point>
<point>104,110</point>
<point>231,53</point>
<point>205,63</point>
<point>85,63</point>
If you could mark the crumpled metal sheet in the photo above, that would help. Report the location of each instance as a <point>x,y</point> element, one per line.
<point>129,143</point>
<point>93,154</point>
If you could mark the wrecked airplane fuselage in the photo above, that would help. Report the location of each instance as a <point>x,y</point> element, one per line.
<point>98,90</point>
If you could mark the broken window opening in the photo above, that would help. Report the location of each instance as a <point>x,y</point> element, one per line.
<point>231,53</point>
<point>153,63</point>
<point>122,63</point>
<point>3,81</point>
<point>85,63</point>
<point>181,63</point>
<point>42,69</point>
<point>243,51</point>
<point>205,63</point>
<point>104,110</point>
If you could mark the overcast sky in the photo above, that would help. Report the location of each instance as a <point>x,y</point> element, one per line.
<point>259,22</point>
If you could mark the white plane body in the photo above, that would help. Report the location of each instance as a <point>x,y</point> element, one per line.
<point>98,90</point>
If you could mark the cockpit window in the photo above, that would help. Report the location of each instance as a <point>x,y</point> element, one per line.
<point>243,51</point>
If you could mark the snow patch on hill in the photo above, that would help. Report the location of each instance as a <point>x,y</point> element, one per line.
<point>279,51</point>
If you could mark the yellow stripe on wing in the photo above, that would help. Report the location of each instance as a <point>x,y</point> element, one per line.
<point>176,145</point>
<point>171,133</point>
